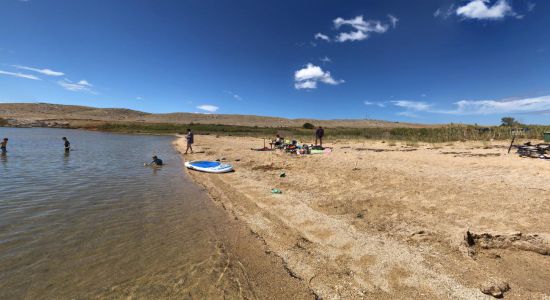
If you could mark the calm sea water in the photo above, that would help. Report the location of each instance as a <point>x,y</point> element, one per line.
<point>95,222</point>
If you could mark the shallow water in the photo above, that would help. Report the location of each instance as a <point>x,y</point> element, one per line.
<point>96,222</point>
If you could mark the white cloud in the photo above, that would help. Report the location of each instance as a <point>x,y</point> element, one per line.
<point>482,10</point>
<point>361,28</point>
<point>81,86</point>
<point>139,98</point>
<point>19,75</point>
<point>47,72</point>
<point>85,83</point>
<point>209,108</point>
<point>320,36</point>
<point>307,78</point>
<point>308,84</point>
<point>393,20</point>
<point>325,59</point>
<point>412,105</point>
<point>351,36</point>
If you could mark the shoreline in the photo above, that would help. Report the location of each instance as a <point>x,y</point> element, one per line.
<point>262,272</point>
<point>379,220</point>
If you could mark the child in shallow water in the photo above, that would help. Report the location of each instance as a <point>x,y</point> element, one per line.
<point>4,145</point>
<point>156,161</point>
<point>67,144</point>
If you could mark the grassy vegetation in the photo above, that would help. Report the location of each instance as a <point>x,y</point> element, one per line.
<point>3,122</point>
<point>449,133</point>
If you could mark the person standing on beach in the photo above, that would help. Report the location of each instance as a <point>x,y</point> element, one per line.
<point>4,145</point>
<point>67,144</point>
<point>319,133</point>
<point>190,140</point>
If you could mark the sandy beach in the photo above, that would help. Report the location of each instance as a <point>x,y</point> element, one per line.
<point>378,219</point>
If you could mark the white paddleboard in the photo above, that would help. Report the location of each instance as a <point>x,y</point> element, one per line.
<point>209,166</point>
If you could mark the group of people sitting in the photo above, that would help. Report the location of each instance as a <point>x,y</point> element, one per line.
<point>293,147</point>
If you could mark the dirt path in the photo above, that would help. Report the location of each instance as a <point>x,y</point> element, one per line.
<point>374,220</point>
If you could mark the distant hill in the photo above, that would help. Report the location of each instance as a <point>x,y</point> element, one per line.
<point>35,114</point>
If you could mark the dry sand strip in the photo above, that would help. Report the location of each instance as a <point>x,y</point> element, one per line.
<point>379,220</point>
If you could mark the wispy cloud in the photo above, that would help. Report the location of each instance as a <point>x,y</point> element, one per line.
<point>370,103</point>
<point>81,86</point>
<point>47,72</point>
<point>444,13</point>
<point>393,20</point>
<point>412,105</point>
<point>485,107</point>
<point>482,10</point>
<point>209,108</point>
<point>320,36</point>
<point>309,76</point>
<point>325,59</point>
<point>234,95</point>
<point>19,75</point>
<point>407,114</point>
<point>361,28</point>
<point>481,107</point>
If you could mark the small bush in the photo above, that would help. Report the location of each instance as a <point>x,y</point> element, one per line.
<point>3,122</point>
<point>308,126</point>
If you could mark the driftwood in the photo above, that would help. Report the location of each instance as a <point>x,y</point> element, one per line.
<point>511,144</point>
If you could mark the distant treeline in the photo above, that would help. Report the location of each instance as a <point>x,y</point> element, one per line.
<point>447,133</point>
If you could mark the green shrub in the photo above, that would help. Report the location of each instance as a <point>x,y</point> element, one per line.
<point>444,134</point>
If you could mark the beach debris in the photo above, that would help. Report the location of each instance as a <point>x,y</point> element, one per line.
<point>282,175</point>
<point>534,151</point>
<point>385,150</point>
<point>270,167</point>
<point>510,241</point>
<point>495,287</point>
<point>276,191</point>
<point>469,154</point>
<point>262,149</point>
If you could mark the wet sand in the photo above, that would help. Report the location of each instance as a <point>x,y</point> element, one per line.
<point>383,220</point>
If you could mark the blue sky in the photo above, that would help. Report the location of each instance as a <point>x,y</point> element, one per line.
<point>423,61</point>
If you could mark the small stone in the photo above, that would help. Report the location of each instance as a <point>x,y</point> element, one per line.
<point>495,288</point>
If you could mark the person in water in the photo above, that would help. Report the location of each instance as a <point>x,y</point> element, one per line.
<point>190,140</point>
<point>156,161</point>
<point>319,133</point>
<point>67,144</point>
<point>4,145</point>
